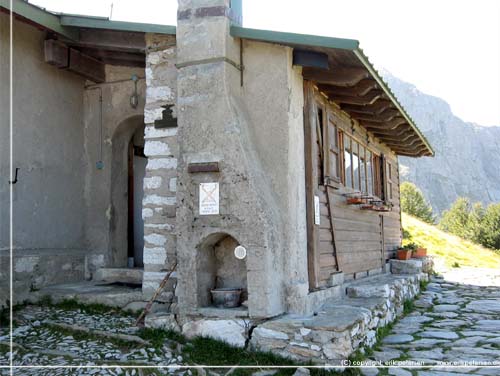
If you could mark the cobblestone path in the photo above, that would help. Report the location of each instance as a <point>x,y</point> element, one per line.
<point>44,336</point>
<point>453,322</point>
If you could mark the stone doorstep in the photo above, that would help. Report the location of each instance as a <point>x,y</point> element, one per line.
<point>119,275</point>
<point>90,292</point>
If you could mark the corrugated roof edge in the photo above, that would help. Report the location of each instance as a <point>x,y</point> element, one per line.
<point>64,24</point>
<point>327,42</point>
<point>291,38</point>
<point>105,23</point>
<point>39,16</point>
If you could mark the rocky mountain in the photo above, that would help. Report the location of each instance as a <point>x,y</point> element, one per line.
<point>467,160</point>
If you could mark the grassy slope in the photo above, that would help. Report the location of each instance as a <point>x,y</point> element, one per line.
<point>451,249</point>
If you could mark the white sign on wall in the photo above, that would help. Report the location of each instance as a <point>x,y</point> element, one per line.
<point>316,211</point>
<point>209,198</point>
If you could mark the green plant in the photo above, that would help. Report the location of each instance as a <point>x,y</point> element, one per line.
<point>408,306</point>
<point>455,265</point>
<point>414,203</point>
<point>410,246</point>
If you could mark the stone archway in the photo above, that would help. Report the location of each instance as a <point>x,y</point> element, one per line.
<point>127,144</point>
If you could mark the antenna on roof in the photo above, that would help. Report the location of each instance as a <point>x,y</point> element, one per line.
<point>111,11</point>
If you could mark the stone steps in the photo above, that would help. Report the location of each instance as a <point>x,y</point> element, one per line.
<point>92,292</point>
<point>341,325</point>
<point>131,276</point>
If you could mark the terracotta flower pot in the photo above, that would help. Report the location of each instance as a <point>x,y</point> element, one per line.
<point>404,254</point>
<point>354,200</point>
<point>420,252</point>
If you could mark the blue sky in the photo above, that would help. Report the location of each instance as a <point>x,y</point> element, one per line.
<point>447,48</point>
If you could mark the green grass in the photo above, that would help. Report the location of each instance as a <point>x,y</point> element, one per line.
<point>157,337</point>
<point>201,350</point>
<point>454,251</point>
<point>408,306</point>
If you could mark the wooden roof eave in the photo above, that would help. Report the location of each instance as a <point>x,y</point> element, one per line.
<point>349,82</point>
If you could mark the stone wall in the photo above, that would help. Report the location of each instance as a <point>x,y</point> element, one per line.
<point>334,332</point>
<point>340,327</point>
<point>161,148</point>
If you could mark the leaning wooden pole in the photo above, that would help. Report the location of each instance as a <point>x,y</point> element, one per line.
<point>141,318</point>
<point>330,212</point>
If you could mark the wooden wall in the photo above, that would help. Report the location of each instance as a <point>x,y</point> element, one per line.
<point>355,241</point>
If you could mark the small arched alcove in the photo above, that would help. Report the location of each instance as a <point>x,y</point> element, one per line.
<point>217,267</point>
<point>128,166</point>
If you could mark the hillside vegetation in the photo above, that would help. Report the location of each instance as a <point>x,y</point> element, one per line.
<point>452,250</point>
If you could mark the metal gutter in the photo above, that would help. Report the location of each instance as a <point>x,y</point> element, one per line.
<point>105,23</point>
<point>39,16</point>
<point>293,39</point>
<point>364,60</point>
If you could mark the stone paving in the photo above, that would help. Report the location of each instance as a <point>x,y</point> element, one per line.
<point>44,337</point>
<point>452,322</point>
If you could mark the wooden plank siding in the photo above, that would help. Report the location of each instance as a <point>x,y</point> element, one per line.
<point>357,243</point>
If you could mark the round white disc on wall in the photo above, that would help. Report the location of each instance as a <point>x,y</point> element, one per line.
<point>240,252</point>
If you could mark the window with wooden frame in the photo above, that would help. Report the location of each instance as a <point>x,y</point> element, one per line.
<point>334,164</point>
<point>361,167</point>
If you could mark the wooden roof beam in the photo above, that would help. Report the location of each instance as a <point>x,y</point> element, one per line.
<point>399,131</point>
<point>361,89</point>
<point>409,146</point>
<point>374,109</point>
<point>337,76</point>
<point>386,116</point>
<point>393,124</point>
<point>400,140</point>
<point>422,152</point>
<point>368,99</point>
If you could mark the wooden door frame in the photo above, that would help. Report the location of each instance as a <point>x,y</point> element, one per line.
<point>130,199</point>
<point>311,179</point>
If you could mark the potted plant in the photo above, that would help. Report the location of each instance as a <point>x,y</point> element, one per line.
<point>354,200</point>
<point>405,252</point>
<point>419,252</point>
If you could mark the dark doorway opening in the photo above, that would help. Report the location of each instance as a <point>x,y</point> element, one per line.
<point>136,162</point>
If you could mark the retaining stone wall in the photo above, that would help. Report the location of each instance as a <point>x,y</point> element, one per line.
<point>342,327</point>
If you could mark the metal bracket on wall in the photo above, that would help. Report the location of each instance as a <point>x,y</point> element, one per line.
<point>15,177</point>
<point>209,61</point>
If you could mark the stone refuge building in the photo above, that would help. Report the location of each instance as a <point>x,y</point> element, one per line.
<point>137,147</point>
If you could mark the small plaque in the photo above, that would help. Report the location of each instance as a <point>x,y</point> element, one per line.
<point>240,252</point>
<point>317,218</point>
<point>209,198</point>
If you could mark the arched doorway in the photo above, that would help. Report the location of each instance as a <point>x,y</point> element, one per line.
<point>128,168</point>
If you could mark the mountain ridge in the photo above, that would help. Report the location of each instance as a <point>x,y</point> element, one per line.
<point>467,155</point>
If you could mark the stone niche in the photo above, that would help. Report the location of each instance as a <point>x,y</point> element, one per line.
<point>217,267</point>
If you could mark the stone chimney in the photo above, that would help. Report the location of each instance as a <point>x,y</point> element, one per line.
<point>216,146</point>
